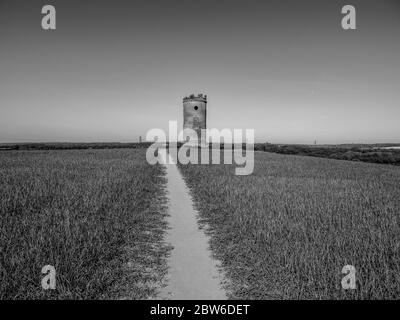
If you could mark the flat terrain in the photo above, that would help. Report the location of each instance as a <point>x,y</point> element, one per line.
<point>286,231</point>
<point>97,216</point>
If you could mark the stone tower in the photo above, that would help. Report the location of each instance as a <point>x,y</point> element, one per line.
<point>195,114</point>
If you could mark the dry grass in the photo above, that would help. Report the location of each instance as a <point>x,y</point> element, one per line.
<point>97,216</point>
<point>286,231</point>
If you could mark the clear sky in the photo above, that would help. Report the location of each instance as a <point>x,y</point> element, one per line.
<point>112,70</point>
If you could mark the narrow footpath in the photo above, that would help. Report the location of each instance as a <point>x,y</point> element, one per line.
<point>193,273</point>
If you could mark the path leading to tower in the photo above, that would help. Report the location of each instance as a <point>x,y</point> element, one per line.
<point>193,273</point>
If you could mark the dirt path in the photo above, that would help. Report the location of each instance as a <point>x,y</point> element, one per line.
<point>193,273</point>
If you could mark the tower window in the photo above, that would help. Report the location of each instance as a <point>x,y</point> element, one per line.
<point>196,107</point>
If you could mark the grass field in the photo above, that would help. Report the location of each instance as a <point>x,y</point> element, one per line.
<point>96,216</point>
<point>286,231</point>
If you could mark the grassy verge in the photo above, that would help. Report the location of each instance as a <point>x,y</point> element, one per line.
<point>287,230</point>
<point>96,216</point>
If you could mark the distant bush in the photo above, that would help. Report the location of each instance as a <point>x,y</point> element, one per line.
<point>384,156</point>
<point>76,146</point>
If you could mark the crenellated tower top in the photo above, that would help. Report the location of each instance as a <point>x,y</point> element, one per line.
<point>200,97</point>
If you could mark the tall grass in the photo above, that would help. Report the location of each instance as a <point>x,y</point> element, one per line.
<point>287,230</point>
<point>96,216</point>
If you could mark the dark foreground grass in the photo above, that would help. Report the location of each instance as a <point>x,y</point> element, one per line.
<point>286,231</point>
<point>96,216</point>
